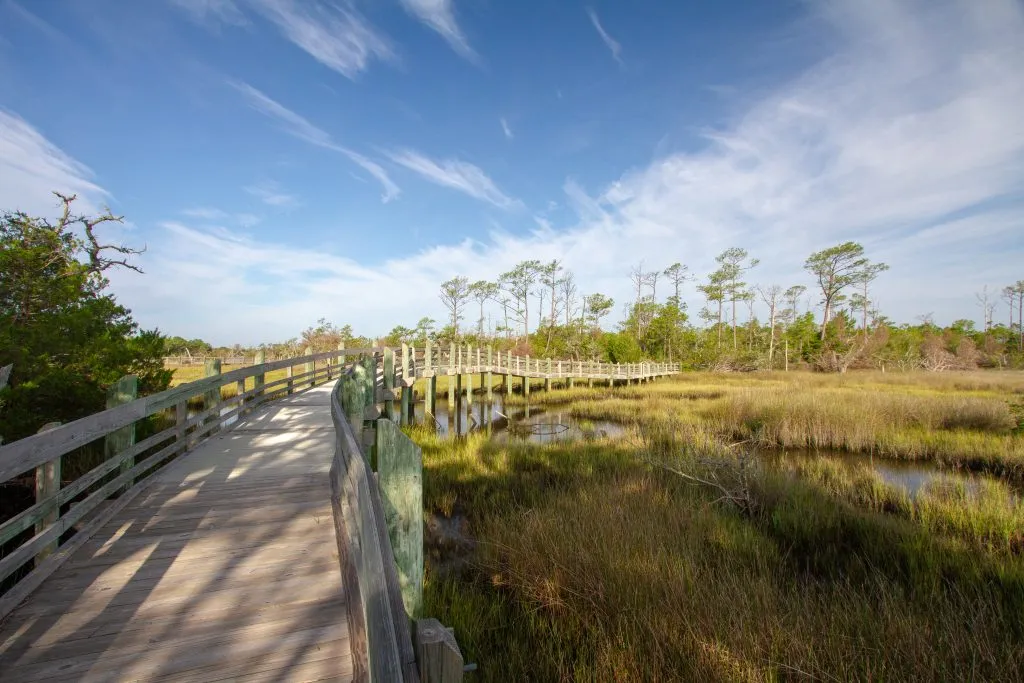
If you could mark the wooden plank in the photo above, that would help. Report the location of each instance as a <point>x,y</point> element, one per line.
<point>173,656</point>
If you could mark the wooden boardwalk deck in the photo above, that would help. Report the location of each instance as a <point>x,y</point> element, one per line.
<point>225,568</point>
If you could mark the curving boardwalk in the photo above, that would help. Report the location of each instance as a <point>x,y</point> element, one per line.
<point>224,568</point>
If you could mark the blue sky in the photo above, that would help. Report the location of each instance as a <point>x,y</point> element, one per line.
<point>287,160</point>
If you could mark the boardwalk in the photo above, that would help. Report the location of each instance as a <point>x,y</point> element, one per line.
<point>225,568</point>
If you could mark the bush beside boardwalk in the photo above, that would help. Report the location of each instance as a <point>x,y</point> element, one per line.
<point>589,561</point>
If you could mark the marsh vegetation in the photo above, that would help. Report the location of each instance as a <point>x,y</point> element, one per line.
<point>620,558</point>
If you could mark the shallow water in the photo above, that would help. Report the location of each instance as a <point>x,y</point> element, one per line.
<point>535,425</point>
<point>911,476</point>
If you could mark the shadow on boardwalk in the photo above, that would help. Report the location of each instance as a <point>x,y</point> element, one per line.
<point>225,568</point>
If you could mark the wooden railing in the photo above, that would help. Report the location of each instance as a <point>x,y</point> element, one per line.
<point>465,359</point>
<point>378,505</point>
<point>114,482</point>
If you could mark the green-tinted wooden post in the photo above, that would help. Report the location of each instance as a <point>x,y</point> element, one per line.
<point>389,384</point>
<point>469,388</point>
<point>341,357</point>
<point>260,378</point>
<point>369,363</point>
<point>120,392</point>
<point>291,384</point>
<point>47,486</point>
<point>354,402</point>
<point>310,367</point>
<point>400,477</point>
<point>211,399</point>
<point>547,380</point>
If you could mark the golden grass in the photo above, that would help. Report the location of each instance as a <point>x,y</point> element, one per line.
<point>591,565</point>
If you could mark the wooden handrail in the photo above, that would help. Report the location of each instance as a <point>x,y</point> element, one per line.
<point>379,630</point>
<point>156,450</point>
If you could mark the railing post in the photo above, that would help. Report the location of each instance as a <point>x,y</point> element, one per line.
<point>122,391</point>
<point>341,357</point>
<point>47,486</point>
<point>437,653</point>
<point>290,382</point>
<point>311,367</point>
<point>406,388</point>
<point>260,378</point>
<point>211,398</point>
<point>180,420</point>
<point>389,383</point>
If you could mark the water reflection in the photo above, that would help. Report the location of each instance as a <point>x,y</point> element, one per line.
<point>536,425</point>
<point>911,476</point>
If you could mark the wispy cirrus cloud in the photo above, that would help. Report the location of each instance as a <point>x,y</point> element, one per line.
<point>32,168</point>
<point>612,44</point>
<point>205,213</point>
<point>458,175</point>
<point>210,214</point>
<point>338,37</point>
<point>506,129</point>
<point>297,126</point>
<point>212,12</point>
<point>440,16</point>
<point>270,193</point>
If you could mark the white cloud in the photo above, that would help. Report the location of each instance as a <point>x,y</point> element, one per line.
<point>505,129</point>
<point>907,138</point>
<point>299,127</point>
<point>456,174</point>
<point>271,194</point>
<point>205,213</point>
<point>440,16</point>
<point>339,38</point>
<point>32,168</point>
<point>611,43</point>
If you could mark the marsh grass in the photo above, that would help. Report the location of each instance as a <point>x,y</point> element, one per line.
<point>968,422</point>
<point>591,565</point>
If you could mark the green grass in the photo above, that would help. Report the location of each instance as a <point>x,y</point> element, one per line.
<point>590,562</point>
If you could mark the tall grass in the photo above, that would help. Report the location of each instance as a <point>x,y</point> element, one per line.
<point>590,565</point>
